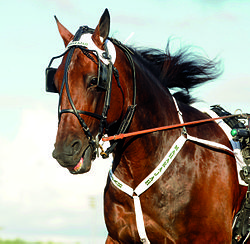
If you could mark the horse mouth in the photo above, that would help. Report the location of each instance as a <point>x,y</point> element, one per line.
<point>77,168</point>
<point>84,163</point>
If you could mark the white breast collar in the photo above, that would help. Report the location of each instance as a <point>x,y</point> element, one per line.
<point>157,173</point>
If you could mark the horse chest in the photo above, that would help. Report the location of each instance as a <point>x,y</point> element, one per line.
<point>122,227</point>
<point>159,213</point>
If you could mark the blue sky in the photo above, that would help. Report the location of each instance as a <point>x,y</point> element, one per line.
<point>38,198</point>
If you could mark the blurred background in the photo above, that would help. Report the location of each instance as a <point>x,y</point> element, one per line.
<point>39,200</point>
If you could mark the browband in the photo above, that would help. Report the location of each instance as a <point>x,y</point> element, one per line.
<point>87,42</point>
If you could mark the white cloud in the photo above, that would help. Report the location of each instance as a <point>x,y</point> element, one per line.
<point>36,193</point>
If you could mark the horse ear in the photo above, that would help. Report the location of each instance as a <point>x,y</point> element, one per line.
<point>65,34</point>
<point>102,30</point>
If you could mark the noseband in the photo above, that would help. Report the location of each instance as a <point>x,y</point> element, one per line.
<point>104,83</point>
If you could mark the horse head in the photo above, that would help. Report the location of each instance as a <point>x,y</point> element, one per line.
<point>84,83</point>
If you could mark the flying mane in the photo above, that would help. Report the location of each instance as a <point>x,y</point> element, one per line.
<point>181,71</point>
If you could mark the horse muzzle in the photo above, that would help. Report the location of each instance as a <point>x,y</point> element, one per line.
<point>73,157</point>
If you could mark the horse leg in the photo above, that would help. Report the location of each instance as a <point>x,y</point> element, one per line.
<point>109,240</point>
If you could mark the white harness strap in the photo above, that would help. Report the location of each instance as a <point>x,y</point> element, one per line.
<point>139,220</point>
<point>119,184</point>
<point>138,211</point>
<point>209,143</point>
<point>178,110</point>
<point>146,183</point>
<point>235,144</point>
<point>156,174</point>
<point>162,166</point>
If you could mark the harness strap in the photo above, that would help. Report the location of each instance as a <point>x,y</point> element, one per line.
<point>131,109</point>
<point>162,166</point>
<point>121,185</point>
<point>139,220</point>
<point>210,143</point>
<point>146,183</point>
<point>157,173</point>
<point>184,130</point>
<point>178,110</point>
<point>137,204</point>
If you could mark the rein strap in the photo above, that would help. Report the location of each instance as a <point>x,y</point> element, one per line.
<point>168,127</point>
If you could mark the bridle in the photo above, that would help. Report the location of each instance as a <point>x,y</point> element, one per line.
<point>104,83</point>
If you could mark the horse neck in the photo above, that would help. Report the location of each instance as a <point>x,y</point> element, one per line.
<point>155,108</point>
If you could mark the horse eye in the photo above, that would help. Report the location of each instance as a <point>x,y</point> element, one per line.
<point>93,82</point>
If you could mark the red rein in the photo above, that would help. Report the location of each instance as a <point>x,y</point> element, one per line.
<point>121,136</point>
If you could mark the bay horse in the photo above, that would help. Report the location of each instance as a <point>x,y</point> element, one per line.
<point>191,191</point>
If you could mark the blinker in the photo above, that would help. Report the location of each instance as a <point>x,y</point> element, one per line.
<point>49,79</point>
<point>104,75</point>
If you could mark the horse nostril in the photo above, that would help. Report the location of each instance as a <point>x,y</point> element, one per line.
<point>76,146</point>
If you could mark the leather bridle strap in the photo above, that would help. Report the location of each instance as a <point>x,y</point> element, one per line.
<point>65,83</point>
<point>131,109</point>
<point>96,116</point>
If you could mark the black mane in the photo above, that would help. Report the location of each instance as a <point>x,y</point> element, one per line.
<point>181,71</point>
